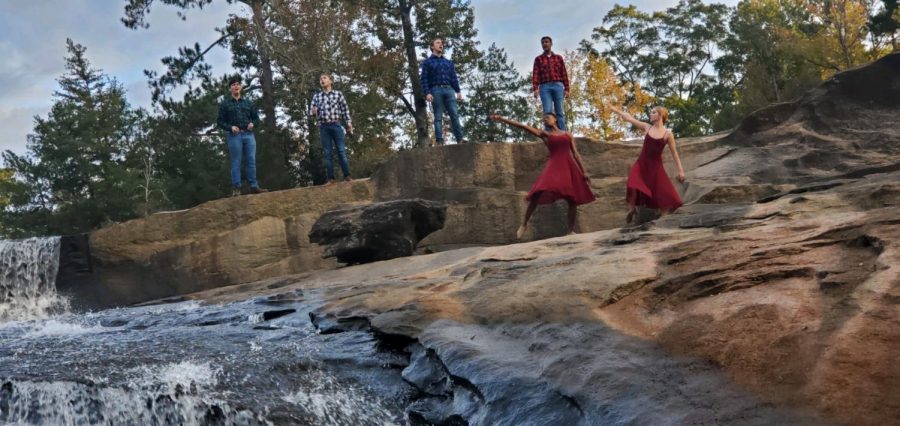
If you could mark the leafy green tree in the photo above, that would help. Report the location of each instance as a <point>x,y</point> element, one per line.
<point>670,55</point>
<point>886,22</point>
<point>248,39</point>
<point>835,35</point>
<point>758,63</point>
<point>307,40</point>
<point>403,26</point>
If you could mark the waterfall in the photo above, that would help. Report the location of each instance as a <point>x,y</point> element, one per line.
<point>28,279</point>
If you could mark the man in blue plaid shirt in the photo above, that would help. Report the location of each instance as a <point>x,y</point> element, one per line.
<point>330,108</point>
<point>441,88</point>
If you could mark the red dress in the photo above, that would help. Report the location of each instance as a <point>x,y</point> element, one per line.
<point>561,178</point>
<point>648,184</point>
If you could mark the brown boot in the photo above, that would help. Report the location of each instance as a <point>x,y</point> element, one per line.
<point>348,179</point>
<point>258,190</point>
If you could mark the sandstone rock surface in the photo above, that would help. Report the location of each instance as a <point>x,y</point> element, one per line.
<point>782,271</point>
<point>795,299</point>
<point>227,241</point>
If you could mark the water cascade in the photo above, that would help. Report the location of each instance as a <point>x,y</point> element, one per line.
<point>28,279</point>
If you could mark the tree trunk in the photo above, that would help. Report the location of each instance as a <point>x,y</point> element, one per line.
<point>274,149</point>
<point>265,66</point>
<point>420,112</point>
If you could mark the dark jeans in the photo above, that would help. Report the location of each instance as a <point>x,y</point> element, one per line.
<point>332,135</point>
<point>242,145</point>
<point>552,97</point>
<point>445,98</point>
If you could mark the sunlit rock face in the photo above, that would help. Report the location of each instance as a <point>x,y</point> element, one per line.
<point>781,271</point>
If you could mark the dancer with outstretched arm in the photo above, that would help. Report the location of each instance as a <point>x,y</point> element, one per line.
<point>563,176</point>
<point>648,184</point>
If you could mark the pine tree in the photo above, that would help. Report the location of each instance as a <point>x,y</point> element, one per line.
<point>496,87</point>
<point>75,174</point>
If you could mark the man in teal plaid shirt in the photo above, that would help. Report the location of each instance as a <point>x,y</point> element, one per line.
<point>236,118</point>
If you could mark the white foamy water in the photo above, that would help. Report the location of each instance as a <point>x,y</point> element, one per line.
<point>54,328</point>
<point>339,404</point>
<point>166,394</point>
<point>28,279</point>
<point>184,374</point>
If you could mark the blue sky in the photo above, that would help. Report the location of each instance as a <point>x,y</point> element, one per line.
<point>33,35</point>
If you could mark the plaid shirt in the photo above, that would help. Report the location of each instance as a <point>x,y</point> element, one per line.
<point>236,112</point>
<point>549,68</point>
<point>331,107</point>
<point>438,71</point>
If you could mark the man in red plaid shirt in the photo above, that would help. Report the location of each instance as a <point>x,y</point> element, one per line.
<point>551,81</point>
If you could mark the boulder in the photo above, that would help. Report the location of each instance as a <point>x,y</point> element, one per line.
<point>218,243</point>
<point>377,231</point>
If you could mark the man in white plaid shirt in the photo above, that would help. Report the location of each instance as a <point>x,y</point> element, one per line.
<point>330,108</point>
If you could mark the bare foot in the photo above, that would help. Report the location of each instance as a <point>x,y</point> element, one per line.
<point>520,232</point>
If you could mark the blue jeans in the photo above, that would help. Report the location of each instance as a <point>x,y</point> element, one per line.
<point>332,135</point>
<point>445,97</point>
<point>242,144</point>
<point>552,96</point>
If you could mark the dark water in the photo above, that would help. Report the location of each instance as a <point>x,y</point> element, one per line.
<point>189,364</point>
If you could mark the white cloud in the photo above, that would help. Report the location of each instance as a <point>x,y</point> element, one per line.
<point>15,124</point>
<point>33,49</point>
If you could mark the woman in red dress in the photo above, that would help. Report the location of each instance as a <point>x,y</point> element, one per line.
<point>563,176</point>
<point>648,184</point>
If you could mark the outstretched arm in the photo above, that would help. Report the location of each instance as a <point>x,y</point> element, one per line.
<point>539,133</point>
<point>671,143</point>
<point>629,118</point>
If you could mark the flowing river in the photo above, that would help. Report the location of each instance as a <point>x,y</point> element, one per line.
<point>254,362</point>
